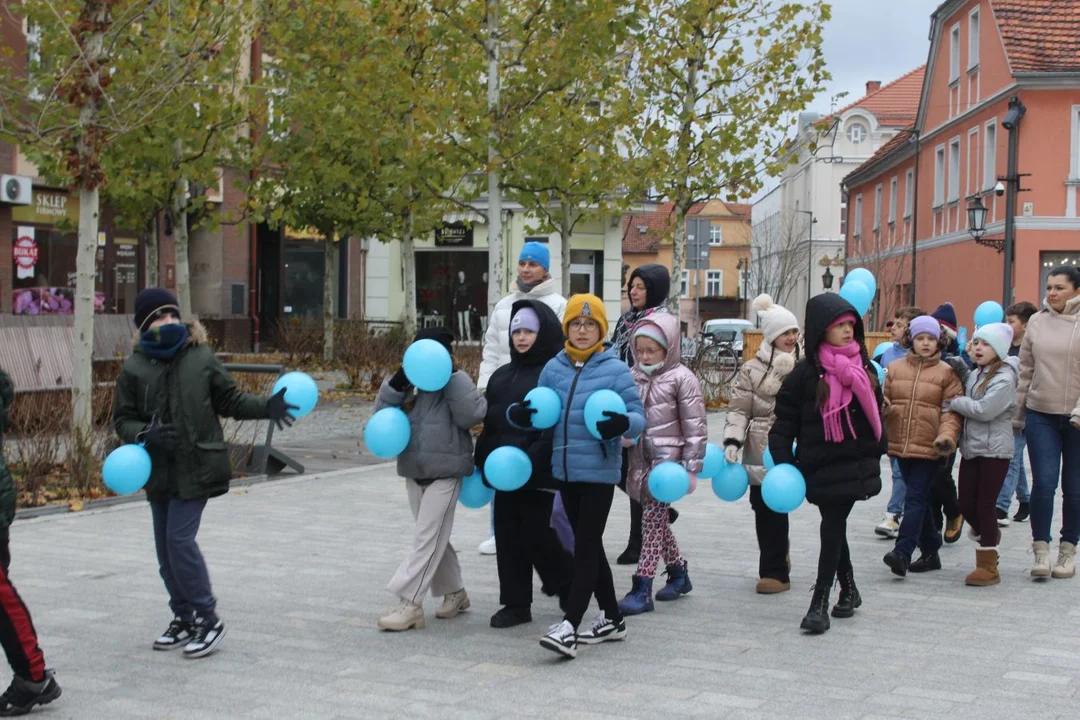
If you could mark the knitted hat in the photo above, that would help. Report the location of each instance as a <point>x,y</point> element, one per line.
<point>946,315</point>
<point>654,333</point>
<point>925,324</point>
<point>537,253</point>
<point>998,336</point>
<point>587,306</point>
<point>150,303</point>
<point>775,319</point>
<point>442,335</point>
<point>841,319</point>
<point>525,319</point>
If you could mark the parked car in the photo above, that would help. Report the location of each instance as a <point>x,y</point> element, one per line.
<point>725,330</point>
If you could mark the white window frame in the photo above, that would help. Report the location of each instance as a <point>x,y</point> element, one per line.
<point>974,31</point>
<point>864,132</point>
<point>858,216</point>
<point>989,170</point>
<point>877,207</point>
<point>714,277</point>
<point>894,189</point>
<point>939,176</point>
<point>954,53</point>
<point>909,200</point>
<point>685,284</point>
<point>716,235</point>
<point>972,155</point>
<point>954,169</point>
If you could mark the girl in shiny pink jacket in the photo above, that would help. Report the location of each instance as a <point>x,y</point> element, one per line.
<point>676,431</point>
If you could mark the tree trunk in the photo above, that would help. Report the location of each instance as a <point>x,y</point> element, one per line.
<point>149,240</point>
<point>329,273</point>
<point>408,259</point>
<point>178,215</point>
<point>495,243</point>
<point>683,199</point>
<point>565,231</point>
<point>678,252</point>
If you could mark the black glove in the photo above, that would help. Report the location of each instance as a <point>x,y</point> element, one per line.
<point>615,425</point>
<point>278,410</point>
<point>521,414</point>
<point>162,437</point>
<point>399,381</point>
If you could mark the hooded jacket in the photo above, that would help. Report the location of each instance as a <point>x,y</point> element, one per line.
<point>1050,364</point>
<point>988,413</point>
<point>7,484</point>
<point>191,391</point>
<point>751,406</point>
<point>510,384</point>
<point>917,389</point>
<point>834,472</point>
<point>675,423</point>
<point>497,338</point>
<point>657,281</point>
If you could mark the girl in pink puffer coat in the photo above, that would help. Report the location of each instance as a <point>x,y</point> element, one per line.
<point>675,430</point>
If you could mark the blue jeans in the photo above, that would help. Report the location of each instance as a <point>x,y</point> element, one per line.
<point>899,490</point>
<point>1016,479</point>
<point>181,563</point>
<point>917,528</point>
<point>1054,449</point>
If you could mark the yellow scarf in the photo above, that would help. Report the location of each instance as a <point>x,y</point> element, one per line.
<point>580,356</point>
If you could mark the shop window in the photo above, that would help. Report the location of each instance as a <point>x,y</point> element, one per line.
<point>44,272</point>
<point>451,291</point>
<point>1050,260</point>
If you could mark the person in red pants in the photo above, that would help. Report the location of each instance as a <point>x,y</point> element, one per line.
<point>32,684</point>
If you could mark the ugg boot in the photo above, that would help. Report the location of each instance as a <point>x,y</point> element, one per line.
<point>1065,567</point>
<point>1041,567</point>
<point>639,599</point>
<point>678,583</point>
<point>406,616</point>
<point>849,599</point>
<point>986,568</point>
<point>771,586</point>
<point>816,620</point>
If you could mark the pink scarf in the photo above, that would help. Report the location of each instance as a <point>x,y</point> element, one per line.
<point>845,375</point>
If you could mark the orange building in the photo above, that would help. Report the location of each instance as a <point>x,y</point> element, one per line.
<point>716,291</point>
<point>986,57</point>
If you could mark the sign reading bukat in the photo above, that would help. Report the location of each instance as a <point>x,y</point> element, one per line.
<point>25,251</point>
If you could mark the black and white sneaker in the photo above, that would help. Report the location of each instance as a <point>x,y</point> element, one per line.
<point>176,636</point>
<point>206,636</point>
<point>561,638</point>
<point>22,695</point>
<point>603,630</point>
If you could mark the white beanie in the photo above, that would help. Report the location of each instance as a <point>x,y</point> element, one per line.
<point>998,336</point>
<point>775,319</point>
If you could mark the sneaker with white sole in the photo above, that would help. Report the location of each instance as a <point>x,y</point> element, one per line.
<point>487,547</point>
<point>452,604</point>
<point>405,616</point>
<point>561,638</point>
<point>177,635</point>
<point>1002,517</point>
<point>889,527</point>
<point>207,634</point>
<point>603,630</point>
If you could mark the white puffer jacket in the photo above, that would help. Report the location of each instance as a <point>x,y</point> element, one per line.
<point>497,337</point>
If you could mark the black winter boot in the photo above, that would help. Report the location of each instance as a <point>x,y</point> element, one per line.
<point>817,617</point>
<point>632,553</point>
<point>849,598</point>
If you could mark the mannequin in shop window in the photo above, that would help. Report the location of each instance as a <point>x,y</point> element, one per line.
<point>480,302</point>
<point>463,307</point>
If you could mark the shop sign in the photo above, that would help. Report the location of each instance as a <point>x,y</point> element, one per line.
<point>456,234</point>
<point>25,251</point>
<point>49,207</point>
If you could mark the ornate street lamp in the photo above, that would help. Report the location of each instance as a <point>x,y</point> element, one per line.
<point>827,280</point>
<point>977,219</point>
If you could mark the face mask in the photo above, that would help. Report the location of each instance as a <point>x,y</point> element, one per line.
<point>650,369</point>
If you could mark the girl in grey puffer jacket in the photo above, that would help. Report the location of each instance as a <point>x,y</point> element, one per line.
<point>986,444</point>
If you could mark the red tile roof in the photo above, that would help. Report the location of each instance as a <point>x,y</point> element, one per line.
<point>1040,35</point>
<point>895,104</point>
<point>658,224</point>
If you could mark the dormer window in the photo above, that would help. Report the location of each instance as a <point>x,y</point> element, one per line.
<point>856,133</point>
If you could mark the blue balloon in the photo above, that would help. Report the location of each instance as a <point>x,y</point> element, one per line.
<point>507,468</point>
<point>714,461</point>
<point>668,482</point>
<point>548,406</point>
<point>783,488</point>
<point>599,402</point>
<point>858,294</point>
<point>989,312</point>
<point>865,277</point>
<point>731,482</point>
<point>767,460</point>
<point>880,372</point>
<point>300,390</point>
<point>961,338</point>
<point>387,433</point>
<point>881,349</point>
<point>428,365</point>
<point>126,469</point>
<point>474,493</point>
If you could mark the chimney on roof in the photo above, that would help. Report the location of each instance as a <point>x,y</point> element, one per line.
<point>872,86</point>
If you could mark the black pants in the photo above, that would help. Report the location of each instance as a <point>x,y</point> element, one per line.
<point>634,541</point>
<point>835,555</point>
<point>17,633</point>
<point>772,538</point>
<point>587,507</point>
<point>943,499</point>
<point>525,540</point>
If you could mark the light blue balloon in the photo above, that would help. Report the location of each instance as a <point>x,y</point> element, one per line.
<point>767,460</point>
<point>714,461</point>
<point>865,277</point>
<point>668,482</point>
<point>387,433</point>
<point>300,390</point>
<point>783,488</point>
<point>126,469</point>
<point>881,349</point>
<point>880,371</point>
<point>858,294</point>
<point>599,402</point>
<point>507,468</point>
<point>428,365</point>
<point>989,312</point>
<point>548,406</point>
<point>731,482</point>
<point>474,493</point>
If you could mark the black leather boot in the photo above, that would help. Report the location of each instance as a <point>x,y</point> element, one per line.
<point>849,598</point>
<point>817,617</point>
<point>632,553</point>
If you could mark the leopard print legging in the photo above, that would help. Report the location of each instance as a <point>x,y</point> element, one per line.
<point>657,540</point>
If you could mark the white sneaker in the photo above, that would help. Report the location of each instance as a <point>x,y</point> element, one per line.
<point>406,616</point>
<point>1065,567</point>
<point>561,638</point>
<point>488,546</point>
<point>603,630</point>
<point>1041,567</point>
<point>889,526</point>
<point>453,604</point>
<point>207,633</point>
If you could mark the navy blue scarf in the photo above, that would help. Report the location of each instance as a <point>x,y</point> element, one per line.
<point>163,342</point>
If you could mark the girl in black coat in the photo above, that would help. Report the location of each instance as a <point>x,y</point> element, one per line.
<point>523,535</point>
<point>841,459</point>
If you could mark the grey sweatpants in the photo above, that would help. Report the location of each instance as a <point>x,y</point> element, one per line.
<point>432,562</point>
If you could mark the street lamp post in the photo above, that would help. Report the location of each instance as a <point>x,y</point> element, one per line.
<point>743,266</point>
<point>809,249</point>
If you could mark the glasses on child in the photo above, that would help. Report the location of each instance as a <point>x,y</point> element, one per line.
<point>583,325</point>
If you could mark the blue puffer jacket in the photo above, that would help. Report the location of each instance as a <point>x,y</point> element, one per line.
<point>578,456</point>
